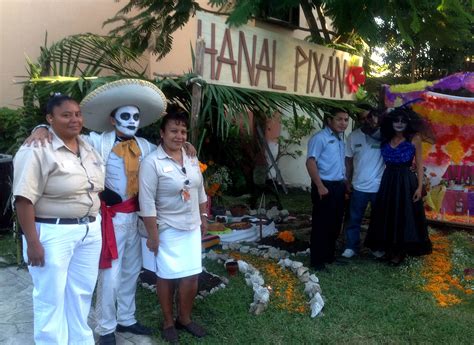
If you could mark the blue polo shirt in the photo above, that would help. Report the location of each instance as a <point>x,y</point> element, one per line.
<point>328,149</point>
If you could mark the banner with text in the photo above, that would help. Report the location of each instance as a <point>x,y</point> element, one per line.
<point>254,58</point>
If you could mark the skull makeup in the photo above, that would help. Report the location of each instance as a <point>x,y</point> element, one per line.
<point>399,125</point>
<point>127,119</point>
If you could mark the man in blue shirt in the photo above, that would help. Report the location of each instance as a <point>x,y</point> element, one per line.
<point>325,165</point>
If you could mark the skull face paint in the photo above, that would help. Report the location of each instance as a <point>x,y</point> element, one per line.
<point>399,125</point>
<point>127,120</point>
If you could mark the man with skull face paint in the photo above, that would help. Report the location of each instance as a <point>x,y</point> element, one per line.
<point>119,109</point>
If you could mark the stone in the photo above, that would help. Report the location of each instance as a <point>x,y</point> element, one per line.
<point>316,304</point>
<point>244,249</point>
<point>243,266</point>
<point>301,270</point>
<point>273,213</point>
<point>296,264</point>
<point>313,278</point>
<point>304,277</point>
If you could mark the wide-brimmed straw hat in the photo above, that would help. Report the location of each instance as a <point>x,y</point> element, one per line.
<point>97,106</point>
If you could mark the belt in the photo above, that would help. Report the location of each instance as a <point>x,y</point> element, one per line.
<point>82,220</point>
<point>332,182</point>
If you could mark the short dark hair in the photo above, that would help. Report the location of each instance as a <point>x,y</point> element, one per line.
<point>56,100</point>
<point>332,113</point>
<point>176,113</point>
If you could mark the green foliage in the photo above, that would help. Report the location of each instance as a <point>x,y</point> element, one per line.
<point>7,248</point>
<point>72,66</point>
<point>14,128</point>
<point>296,128</point>
<point>152,27</point>
<point>437,36</point>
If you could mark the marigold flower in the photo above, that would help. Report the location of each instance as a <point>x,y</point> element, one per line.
<point>436,271</point>
<point>286,236</point>
<point>203,167</point>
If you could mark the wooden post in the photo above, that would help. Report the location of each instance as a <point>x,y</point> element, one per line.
<point>197,91</point>
<point>274,165</point>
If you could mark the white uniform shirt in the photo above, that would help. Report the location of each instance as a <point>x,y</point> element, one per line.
<point>368,161</point>
<point>161,182</point>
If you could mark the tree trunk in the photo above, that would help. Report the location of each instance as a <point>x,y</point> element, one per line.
<point>307,8</point>
<point>413,64</point>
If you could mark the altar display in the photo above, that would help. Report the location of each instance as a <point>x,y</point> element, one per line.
<point>449,161</point>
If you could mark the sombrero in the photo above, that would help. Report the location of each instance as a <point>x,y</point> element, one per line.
<point>98,104</point>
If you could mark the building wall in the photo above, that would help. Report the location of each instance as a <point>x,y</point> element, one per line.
<point>24,23</point>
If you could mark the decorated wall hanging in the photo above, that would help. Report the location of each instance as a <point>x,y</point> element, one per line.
<point>449,162</point>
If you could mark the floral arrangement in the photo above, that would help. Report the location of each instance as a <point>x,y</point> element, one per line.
<point>439,282</point>
<point>216,178</point>
<point>286,236</point>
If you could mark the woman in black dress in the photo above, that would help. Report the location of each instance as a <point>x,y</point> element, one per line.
<point>398,226</point>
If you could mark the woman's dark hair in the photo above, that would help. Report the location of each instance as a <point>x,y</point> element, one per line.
<point>176,113</point>
<point>415,123</point>
<point>57,100</point>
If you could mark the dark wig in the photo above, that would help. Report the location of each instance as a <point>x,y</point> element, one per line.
<point>415,123</point>
<point>175,113</point>
<point>57,100</point>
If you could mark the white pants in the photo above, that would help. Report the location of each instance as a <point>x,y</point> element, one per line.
<point>117,285</point>
<point>63,287</point>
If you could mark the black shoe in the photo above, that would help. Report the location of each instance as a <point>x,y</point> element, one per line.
<point>108,339</point>
<point>136,328</point>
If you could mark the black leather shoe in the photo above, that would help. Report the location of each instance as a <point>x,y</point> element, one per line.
<point>136,328</point>
<point>108,339</point>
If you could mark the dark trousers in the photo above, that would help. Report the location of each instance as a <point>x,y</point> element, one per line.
<point>328,213</point>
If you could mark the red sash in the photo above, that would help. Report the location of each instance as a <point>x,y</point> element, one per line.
<point>109,244</point>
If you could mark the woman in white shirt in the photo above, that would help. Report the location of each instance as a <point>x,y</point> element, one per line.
<point>173,203</point>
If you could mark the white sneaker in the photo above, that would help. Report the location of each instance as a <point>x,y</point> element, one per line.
<point>378,253</point>
<point>348,253</point>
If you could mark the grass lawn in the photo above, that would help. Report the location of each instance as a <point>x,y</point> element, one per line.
<point>367,302</point>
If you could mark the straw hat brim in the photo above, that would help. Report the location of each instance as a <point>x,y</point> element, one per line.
<point>97,106</point>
